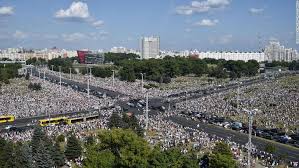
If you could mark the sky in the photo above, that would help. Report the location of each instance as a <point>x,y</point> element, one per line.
<point>243,25</point>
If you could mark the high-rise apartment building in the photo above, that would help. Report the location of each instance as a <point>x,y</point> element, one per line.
<point>150,47</point>
<point>276,52</point>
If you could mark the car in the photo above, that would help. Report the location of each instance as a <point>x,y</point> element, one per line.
<point>8,127</point>
<point>130,104</point>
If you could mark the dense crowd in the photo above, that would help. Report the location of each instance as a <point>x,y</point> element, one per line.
<point>134,89</point>
<point>22,102</point>
<point>18,100</point>
<point>277,106</point>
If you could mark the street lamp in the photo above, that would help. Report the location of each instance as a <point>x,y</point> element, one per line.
<point>113,76</point>
<point>146,112</point>
<point>60,78</point>
<point>250,120</point>
<point>142,82</point>
<point>70,73</point>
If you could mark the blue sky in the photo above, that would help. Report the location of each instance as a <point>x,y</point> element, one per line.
<point>181,24</point>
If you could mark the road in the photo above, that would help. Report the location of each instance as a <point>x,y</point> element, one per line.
<point>291,152</point>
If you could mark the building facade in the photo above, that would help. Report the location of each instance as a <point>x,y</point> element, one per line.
<point>150,47</point>
<point>276,52</point>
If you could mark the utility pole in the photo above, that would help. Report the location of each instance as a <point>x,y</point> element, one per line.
<point>146,112</point>
<point>113,75</point>
<point>70,73</point>
<point>60,78</point>
<point>186,100</point>
<point>38,74</point>
<point>88,83</point>
<point>141,82</point>
<point>44,75</point>
<point>52,68</point>
<point>249,147</point>
<point>238,96</point>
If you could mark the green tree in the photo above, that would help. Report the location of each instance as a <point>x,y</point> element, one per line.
<point>171,158</point>
<point>128,149</point>
<point>115,121</point>
<point>23,158</point>
<point>73,148</point>
<point>99,159</point>
<point>7,155</point>
<point>222,157</point>
<point>43,157</point>
<point>224,161</point>
<point>58,156</point>
<point>37,136</point>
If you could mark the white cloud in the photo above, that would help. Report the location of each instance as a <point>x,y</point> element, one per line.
<point>73,37</point>
<point>6,11</point>
<point>256,11</point>
<point>20,35</point>
<point>225,39</point>
<point>98,23</point>
<point>202,6</point>
<point>77,10</point>
<point>77,36</point>
<point>207,22</point>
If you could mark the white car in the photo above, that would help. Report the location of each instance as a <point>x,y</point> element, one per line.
<point>8,127</point>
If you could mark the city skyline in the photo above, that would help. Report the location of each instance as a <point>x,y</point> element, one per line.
<point>202,24</point>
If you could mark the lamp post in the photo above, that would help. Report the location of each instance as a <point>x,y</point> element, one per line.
<point>70,73</point>
<point>60,78</point>
<point>141,82</point>
<point>250,120</point>
<point>113,76</point>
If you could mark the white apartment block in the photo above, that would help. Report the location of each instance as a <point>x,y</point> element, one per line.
<point>243,56</point>
<point>48,54</point>
<point>276,52</point>
<point>150,47</point>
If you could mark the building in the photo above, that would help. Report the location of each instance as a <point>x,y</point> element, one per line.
<point>87,57</point>
<point>82,55</point>
<point>297,21</point>
<point>276,52</point>
<point>243,56</point>
<point>94,58</point>
<point>150,47</point>
<point>118,50</point>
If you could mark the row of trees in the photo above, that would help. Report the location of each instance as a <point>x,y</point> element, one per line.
<point>127,121</point>
<point>123,148</point>
<point>8,71</point>
<point>35,86</point>
<point>64,63</point>
<point>102,72</point>
<point>170,67</point>
<point>41,152</point>
<point>116,58</point>
<point>294,65</point>
<point>36,61</point>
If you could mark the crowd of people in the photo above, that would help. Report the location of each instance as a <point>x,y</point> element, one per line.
<point>18,100</point>
<point>276,103</point>
<point>277,106</point>
<point>134,89</point>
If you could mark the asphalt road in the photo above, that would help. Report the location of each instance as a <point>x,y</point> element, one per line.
<point>292,153</point>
